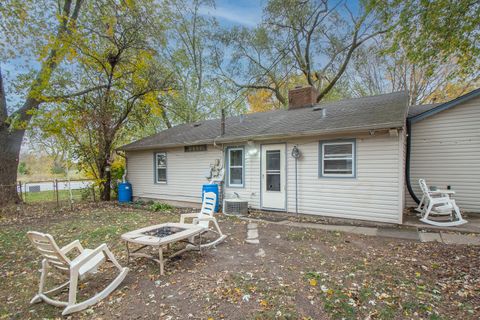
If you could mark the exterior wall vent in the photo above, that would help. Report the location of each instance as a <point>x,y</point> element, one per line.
<point>202,147</point>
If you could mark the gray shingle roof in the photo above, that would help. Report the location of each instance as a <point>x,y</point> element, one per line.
<point>374,112</point>
<point>434,109</point>
<point>421,108</point>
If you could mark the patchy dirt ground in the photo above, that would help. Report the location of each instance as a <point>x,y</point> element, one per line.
<point>292,274</point>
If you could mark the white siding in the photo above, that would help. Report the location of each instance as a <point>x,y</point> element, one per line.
<point>185,174</point>
<point>251,189</point>
<point>445,151</point>
<point>375,194</point>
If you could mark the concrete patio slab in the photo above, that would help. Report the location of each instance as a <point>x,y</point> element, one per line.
<point>252,234</point>
<point>252,226</point>
<point>430,236</point>
<point>451,238</point>
<point>382,231</point>
<point>399,233</point>
<point>472,226</point>
<point>326,227</point>
<point>367,231</point>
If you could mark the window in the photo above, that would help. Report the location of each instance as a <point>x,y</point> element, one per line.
<point>202,147</point>
<point>235,167</point>
<point>273,170</point>
<point>161,167</point>
<point>337,159</point>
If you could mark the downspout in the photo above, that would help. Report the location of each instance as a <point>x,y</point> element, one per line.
<point>407,164</point>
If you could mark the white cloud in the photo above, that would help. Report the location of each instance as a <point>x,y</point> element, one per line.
<point>236,15</point>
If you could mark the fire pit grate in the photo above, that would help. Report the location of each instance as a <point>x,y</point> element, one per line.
<point>163,231</point>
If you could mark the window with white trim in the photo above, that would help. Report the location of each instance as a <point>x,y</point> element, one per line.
<point>337,159</point>
<point>235,167</point>
<point>161,167</point>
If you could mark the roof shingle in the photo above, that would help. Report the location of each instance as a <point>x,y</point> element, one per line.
<point>374,112</point>
<point>421,108</point>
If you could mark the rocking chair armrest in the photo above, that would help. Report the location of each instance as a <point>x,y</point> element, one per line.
<point>101,248</point>
<point>187,215</point>
<point>73,245</point>
<point>208,219</point>
<point>205,219</point>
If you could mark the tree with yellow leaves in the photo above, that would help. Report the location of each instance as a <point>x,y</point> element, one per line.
<point>116,57</point>
<point>45,31</point>
<point>261,101</point>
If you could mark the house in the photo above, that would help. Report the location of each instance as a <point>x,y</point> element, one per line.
<point>444,149</point>
<point>351,164</point>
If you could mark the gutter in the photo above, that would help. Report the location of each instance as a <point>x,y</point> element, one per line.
<point>407,162</point>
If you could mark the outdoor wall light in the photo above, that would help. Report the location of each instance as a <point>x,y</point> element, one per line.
<point>252,148</point>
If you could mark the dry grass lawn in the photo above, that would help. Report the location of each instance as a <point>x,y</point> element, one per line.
<point>293,274</point>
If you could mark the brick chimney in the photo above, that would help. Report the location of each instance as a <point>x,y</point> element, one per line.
<point>302,97</point>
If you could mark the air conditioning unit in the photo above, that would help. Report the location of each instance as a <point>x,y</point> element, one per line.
<point>236,207</point>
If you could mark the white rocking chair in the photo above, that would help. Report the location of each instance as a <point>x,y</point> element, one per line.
<point>436,203</point>
<point>203,218</point>
<point>85,263</point>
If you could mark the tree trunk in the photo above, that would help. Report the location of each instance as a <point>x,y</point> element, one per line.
<point>104,169</point>
<point>106,176</point>
<point>10,142</point>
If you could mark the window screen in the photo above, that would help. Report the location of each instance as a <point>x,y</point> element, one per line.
<point>161,167</point>
<point>235,167</point>
<point>337,159</point>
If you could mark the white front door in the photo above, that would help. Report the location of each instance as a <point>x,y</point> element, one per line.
<point>273,177</point>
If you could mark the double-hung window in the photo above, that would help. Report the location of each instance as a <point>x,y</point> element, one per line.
<point>337,159</point>
<point>161,167</point>
<point>235,167</point>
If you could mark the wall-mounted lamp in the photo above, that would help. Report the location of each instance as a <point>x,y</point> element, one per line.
<point>252,148</point>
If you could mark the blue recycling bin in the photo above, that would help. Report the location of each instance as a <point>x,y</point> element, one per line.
<point>211,188</point>
<point>124,192</point>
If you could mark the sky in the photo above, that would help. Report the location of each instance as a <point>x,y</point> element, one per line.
<point>228,13</point>
<point>240,12</point>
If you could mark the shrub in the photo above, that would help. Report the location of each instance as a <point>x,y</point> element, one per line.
<point>22,168</point>
<point>160,206</point>
<point>87,194</point>
<point>57,168</point>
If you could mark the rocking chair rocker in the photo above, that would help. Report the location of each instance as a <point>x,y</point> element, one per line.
<point>436,203</point>
<point>87,262</point>
<point>204,218</point>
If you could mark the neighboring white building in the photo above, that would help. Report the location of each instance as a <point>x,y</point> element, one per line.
<point>445,149</point>
<point>351,164</point>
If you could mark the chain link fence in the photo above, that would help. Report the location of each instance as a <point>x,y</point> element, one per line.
<point>63,193</point>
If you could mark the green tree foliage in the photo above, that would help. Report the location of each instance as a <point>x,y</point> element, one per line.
<point>41,32</point>
<point>433,32</point>
<point>115,56</point>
